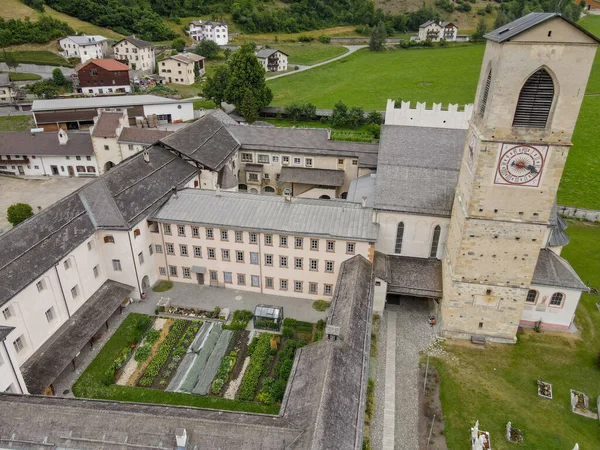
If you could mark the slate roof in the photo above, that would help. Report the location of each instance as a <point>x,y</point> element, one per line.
<point>110,65</point>
<point>187,57</point>
<point>100,102</point>
<point>206,141</point>
<point>302,140</point>
<point>419,277</point>
<point>4,79</point>
<point>116,200</point>
<point>552,270</point>
<point>135,41</point>
<point>48,362</point>
<point>321,177</point>
<point>558,236</point>
<point>87,40</point>
<point>45,144</point>
<point>134,135</point>
<point>417,169</point>
<point>5,331</point>
<point>107,124</point>
<point>266,52</point>
<point>362,187</point>
<point>302,216</point>
<point>531,20</point>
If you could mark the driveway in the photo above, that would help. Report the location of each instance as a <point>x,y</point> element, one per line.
<point>404,332</point>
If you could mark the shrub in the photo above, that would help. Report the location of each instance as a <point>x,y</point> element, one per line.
<point>217,386</point>
<point>266,324</point>
<point>241,317</point>
<point>465,7</point>
<point>321,325</point>
<point>323,39</point>
<point>18,213</point>
<point>375,130</point>
<point>321,305</point>
<point>178,44</point>
<point>143,353</point>
<point>287,332</point>
<point>305,38</point>
<point>152,336</point>
<point>286,369</point>
<point>289,322</point>
<point>208,49</point>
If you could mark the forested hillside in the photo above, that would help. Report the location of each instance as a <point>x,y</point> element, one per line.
<point>46,29</point>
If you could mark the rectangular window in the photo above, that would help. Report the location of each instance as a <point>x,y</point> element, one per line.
<point>285,160</point>
<point>162,271</point>
<point>253,238</point>
<point>183,250</point>
<point>327,289</point>
<point>195,232</point>
<point>181,230</point>
<point>350,248</point>
<point>173,271</point>
<point>209,233</point>
<point>254,281</point>
<point>329,266</point>
<point>186,272</point>
<point>246,157</point>
<point>40,285</point>
<point>241,278</point>
<point>269,282</point>
<point>313,288</point>
<point>355,162</point>
<point>227,278</point>
<point>314,264</point>
<point>298,263</point>
<point>170,249</point>
<point>141,258</point>
<point>167,228</point>
<point>283,284</point>
<point>297,161</point>
<point>252,177</point>
<point>75,291</point>
<point>225,255</point>
<point>224,235</point>
<point>89,245</point>
<point>268,239</point>
<point>275,159</point>
<point>283,241</point>
<point>197,252</point>
<point>116,265</point>
<point>268,260</point>
<point>239,237</point>
<point>19,344</point>
<point>211,253</point>
<point>213,275</point>
<point>50,315</point>
<point>239,256</point>
<point>298,242</point>
<point>340,162</point>
<point>96,271</point>
<point>109,240</point>
<point>308,162</point>
<point>283,261</point>
<point>67,264</point>
<point>150,249</point>
<point>314,244</point>
<point>7,313</point>
<point>263,159</point>
<point>253,258</point>
<point>298,286</point>
<point>331,246</point>
<point>158,248</point>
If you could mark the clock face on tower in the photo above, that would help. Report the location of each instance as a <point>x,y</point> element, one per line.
<point>520,165</point>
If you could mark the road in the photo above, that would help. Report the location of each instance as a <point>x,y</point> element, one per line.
<point>41,70</point>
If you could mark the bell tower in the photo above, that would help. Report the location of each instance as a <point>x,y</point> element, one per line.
<point>532,81</point>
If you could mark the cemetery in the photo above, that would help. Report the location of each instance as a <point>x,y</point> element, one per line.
<point>203,363</point>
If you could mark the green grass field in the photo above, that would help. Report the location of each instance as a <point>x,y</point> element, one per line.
<point>16,123</point>
<point>308,54</point>
<point>497,384</point>
<point>43,57</point>
<point>23,76</point>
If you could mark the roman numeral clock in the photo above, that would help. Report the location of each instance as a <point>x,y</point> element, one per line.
<point>520,165</point>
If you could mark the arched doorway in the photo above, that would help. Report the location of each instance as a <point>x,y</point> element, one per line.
<point>109,165</point>
<point>242,187</point>
<point>325,197</point>
<point>344,195</point>
<point>145,283</point>
<point>268,190</point>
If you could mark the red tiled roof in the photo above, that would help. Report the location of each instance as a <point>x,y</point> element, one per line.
<point>107,64</point>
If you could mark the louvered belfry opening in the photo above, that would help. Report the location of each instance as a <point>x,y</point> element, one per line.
<point>535,101</point>
<point>486,91</point>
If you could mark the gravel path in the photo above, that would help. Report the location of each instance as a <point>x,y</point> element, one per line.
<point>377,424</point>
<point>235,384</point>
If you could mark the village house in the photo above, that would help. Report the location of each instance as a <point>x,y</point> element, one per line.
<point>84,47</point>
<point>217,32</point>
<point>436,30</point>
<point>7,89</point>
<point>272,60</point>
<point>183,68</point>
<point>136,54</point>
<point>103,76</point>
<point>47,154</point>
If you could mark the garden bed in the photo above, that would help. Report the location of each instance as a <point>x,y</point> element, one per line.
<point>580,404</point>
<point>544,389</point>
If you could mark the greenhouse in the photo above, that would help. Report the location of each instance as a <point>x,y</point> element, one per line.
<point>268,317</point>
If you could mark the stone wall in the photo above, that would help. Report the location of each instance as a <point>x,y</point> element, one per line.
<point>420,116</point>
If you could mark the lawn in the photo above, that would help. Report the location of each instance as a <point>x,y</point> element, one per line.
<point>93,383</point>
<point>23,76</point>
<point>424,75</point>
<point>16,123</point>
<point>42,57</point>
<point>362,133</point>
<point>342,31</point>
<point>497,384</point>
<point>308,54</point>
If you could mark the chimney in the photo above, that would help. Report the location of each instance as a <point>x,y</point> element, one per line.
<point>218,190</point>
<point>174,191</point>
<point>288,197</point>
<point>146,156</point>
<point>62,137</point>
<point>181,437</point>
<point>364,202</point>
<point>328,134</point>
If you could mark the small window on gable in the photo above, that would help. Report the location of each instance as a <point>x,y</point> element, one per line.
<point>109,240</point>
<point>535,101</point>
<point>484,95</point>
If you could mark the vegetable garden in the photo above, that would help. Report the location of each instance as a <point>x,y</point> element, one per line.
<point>202,364</point>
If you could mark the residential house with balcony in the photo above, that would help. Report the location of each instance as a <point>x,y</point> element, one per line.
<point>436,30</point>
<point>272,60</point>
<point>103,76</point>
<point>183,68</point>
<point>213,31</point>
<point>136,54</point>
<point>84,47</point>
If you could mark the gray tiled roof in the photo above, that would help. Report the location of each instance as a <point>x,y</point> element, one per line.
<point>420,277</point>
<point>531,20</point>
<point>266,52</point>
<point>362,187</point>
<point>311,217</point>
<point>4,79</point>
<point>552,270</point>
<point>147,136</point>
<point>48,362</point>
<point>417,169</point>
<point>302,175</point>
<point>41,144</point>
<point>107,124</point>
<point>135,41</point>
<point>99,102</point>
<point>87,39</point>
<point>206,141</point>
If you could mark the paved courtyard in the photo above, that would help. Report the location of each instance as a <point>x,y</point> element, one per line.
<point>206,298</point>
<point>37,192</point>
<point>404,332</point>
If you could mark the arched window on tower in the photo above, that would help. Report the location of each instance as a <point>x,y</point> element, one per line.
<point>399,238</point>
<point>535,101</point>
<point>484,95</point>
<point>435,242</point>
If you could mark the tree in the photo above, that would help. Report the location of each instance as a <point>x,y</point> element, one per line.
<point>215,86</point>
<point>10,60</point>
<point>293,111</point>
<point>501,19</point>
<point>375,118</point>
<point>249,107</point>
<point>18,213</point>
<point>355,117</point>
<point>480,30</point>
<point>378,37</point>
<point>178,44</point>
<point>44,89</point>
<point>208,49</point>
<point>339,116</point>
<point>58,78</point>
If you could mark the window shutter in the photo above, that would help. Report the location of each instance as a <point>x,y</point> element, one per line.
<point>535,101</point>
<point>486,91</point>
